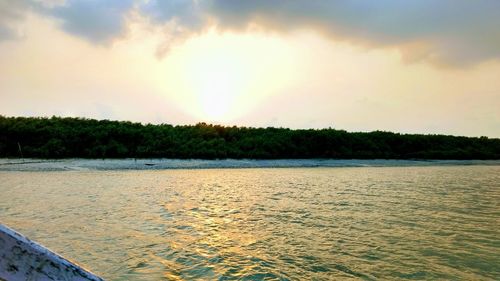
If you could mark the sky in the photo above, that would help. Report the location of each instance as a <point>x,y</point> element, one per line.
<point>414,66</point>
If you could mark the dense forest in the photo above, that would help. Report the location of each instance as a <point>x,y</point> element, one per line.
<point>87,138</point>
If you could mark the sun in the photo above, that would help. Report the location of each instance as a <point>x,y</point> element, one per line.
<point>222,77</point>
<point>218,81</point>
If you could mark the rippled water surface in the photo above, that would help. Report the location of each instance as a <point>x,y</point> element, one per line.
<point>265,224</point>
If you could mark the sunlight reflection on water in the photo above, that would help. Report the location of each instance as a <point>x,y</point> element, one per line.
<point>273,224</point>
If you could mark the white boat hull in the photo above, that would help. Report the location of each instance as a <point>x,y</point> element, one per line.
<point>23,259</point>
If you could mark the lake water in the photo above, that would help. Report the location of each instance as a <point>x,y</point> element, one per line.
<point>323,223</point>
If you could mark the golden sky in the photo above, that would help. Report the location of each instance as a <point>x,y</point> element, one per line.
<point>405,66</point>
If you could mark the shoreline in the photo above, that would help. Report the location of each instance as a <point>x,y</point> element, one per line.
<point>79,164</point>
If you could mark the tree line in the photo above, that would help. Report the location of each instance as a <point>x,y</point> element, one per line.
<point>58,137</point>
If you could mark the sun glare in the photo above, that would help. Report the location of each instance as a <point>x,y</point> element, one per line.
<point>218,80</point>
<point>215,94</point>
<point>219,77</point>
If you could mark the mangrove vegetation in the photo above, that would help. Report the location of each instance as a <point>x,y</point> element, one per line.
<point>87,138</point>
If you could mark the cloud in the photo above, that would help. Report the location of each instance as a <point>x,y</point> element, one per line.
<point>187,13</point>
<point>98,21</point>
<point>11,13</point>
<point>452,32</point>
<point>50,3</point>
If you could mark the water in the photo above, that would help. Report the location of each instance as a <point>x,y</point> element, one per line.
<point>364,223</point>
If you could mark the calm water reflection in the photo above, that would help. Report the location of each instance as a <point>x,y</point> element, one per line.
<point>272,224</point>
